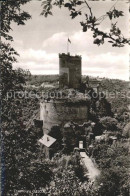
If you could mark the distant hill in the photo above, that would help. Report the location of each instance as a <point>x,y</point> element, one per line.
<point>117,92</point>
<point>39,79</point>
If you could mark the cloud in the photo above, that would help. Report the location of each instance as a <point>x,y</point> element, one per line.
<point>106,60</point>
<point>39,56</point>
<point>106,65</point>
<point>58,42</point>
<point>57,38</point>
<point>18,42</point>
<point>38,61</point>
<point>103,64</point>
<point>81,42</point>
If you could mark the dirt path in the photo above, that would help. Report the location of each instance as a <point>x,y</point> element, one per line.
<point>93,172</point>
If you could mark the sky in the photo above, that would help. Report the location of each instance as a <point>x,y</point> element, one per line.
<point>40,41</point>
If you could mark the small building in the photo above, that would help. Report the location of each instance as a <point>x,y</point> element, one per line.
<point>48,145</point>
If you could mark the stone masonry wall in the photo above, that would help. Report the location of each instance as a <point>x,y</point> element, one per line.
<point>59,112</point>
<point>70,71</point>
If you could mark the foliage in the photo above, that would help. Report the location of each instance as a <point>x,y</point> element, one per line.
<point>109,124</point>
<point>67,180</point>
<point>65,183</point>
<point>77,167</point>
<point>35,176</point>
<point>98,128</point>
<point>72,134</point>
<point>103,106</point>
<point>20,149</point>
<point>57,134</point>
<point>126,131</point>
<point>111,180</point>
<point>91,22</point>
<point>20,165</point>
<point>9,78</point>
<point>37,80</point>
<point>69,139</point>
<point>116,93</point>
<point>10,12</point>
<point>114,163</point>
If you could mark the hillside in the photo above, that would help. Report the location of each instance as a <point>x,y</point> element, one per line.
<point>37,80</point>
<point>117,92</point>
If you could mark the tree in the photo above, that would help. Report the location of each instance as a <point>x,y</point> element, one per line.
<point>91,22</point>
<point>34,175</point>
<point>10,12</point>
<point>113,161</point>
<point>65,183</point>
<point>69,138</point>
<point>20,165</point>
<point>104,107</point>
<point>109,123</point>
<point>114,180</point>
<point>68,177</point>
<point>57,134</point>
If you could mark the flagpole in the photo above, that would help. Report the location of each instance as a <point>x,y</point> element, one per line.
<point>67,46</point>
<point>68,41</point>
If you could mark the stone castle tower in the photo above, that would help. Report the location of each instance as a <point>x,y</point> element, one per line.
<point>60,110</point>
<point>69,71</point>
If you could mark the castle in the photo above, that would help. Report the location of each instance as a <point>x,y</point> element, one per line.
<point>68,107</point>
<point>71,102</point>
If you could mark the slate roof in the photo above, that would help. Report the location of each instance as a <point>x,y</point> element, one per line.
<point>47,140</point>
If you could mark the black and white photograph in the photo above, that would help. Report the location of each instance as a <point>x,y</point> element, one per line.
<point>65,97</point>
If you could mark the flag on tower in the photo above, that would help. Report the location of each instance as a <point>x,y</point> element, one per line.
<point>69,41</point>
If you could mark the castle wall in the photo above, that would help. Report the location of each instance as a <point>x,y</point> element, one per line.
<point>60,112</point>
<point>69,71</point>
